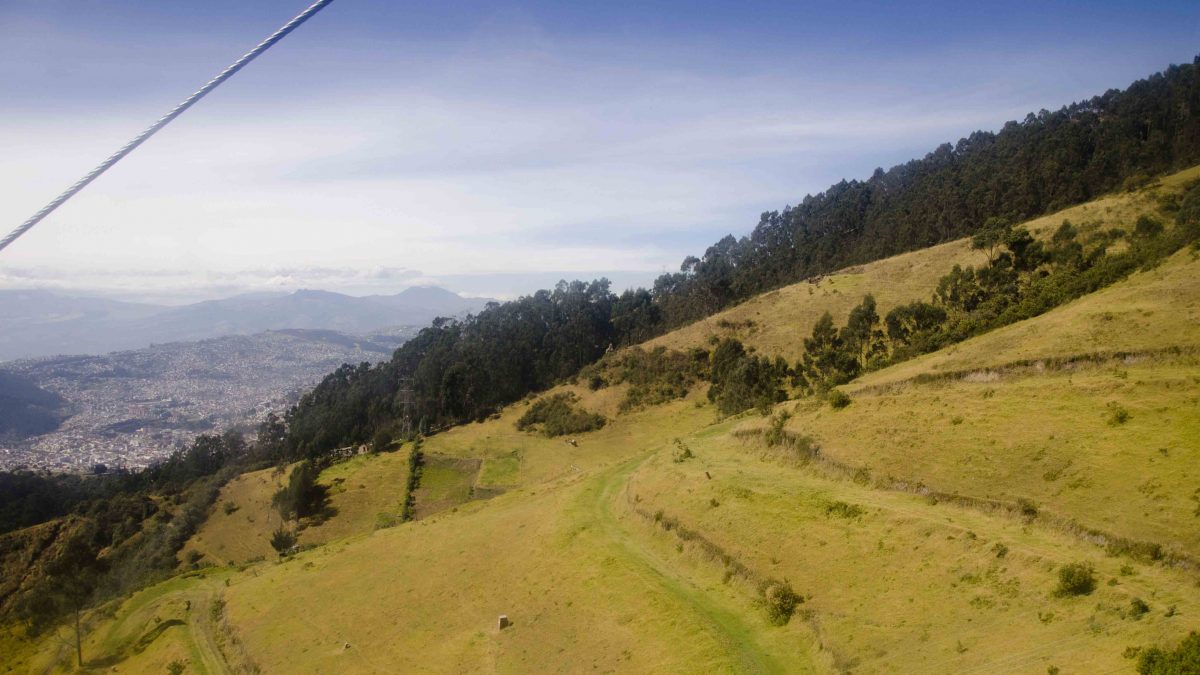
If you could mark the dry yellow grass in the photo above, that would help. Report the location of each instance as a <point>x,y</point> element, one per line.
<point>571,553</point>
<point>1153,310</point>
<point>361,489</point>
<point>242,535</point>
<point>784,317</point>
<point>908,586</point>
<point>581,592</point>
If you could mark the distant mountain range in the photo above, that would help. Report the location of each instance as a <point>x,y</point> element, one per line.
<point>35,323</point>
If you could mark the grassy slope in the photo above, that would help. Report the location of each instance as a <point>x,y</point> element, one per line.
<point>360,490</point>
<point>580,594</point>
<point>907,586</point>
<point>782,318</point>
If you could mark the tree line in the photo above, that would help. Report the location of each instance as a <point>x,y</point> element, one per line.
<point>456,371</point>
<point>1022,278</point>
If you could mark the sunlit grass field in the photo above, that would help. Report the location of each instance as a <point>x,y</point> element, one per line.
<point>614,553</point>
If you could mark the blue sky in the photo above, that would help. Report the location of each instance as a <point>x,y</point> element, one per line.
<point>495,147</point>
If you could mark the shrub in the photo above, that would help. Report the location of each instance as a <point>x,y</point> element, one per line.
<point>282,540</point>
<point>217,609</point>
<point>1183,659</point>
<point>655,376</point>
<point>382,441</point>
<point>416,459</point>
<point>843,510</point>
<point>742,381</point>
<point>1138,608</point>
<point>558,416</point>
<point>779,600</point>
<point>176,667</point>
<point>838,399</point>
<point>1000,550</point>
<point>1117,415</point>
<point>1076,579</point>
<point>775,434</point>
<point>683,453</point>
<point>229,508</point>
<point>302,497</point>
<point>1147,227</point>
<point>385,520</point>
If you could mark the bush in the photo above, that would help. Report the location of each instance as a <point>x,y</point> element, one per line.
<point>741,381</point>
<point>775,432</point>
<point>838,399</point>
<point>1183,659</point>
<point>1147,227</point>
<point>382,441</point>
<point>558,416</point>
<point>683,454</point>
<point>1138,608</point>
<point>282,540</point>
<point>176,667</point>
<point>416,460</point>
<point>843,510</point>
<point>779,600</point>
<point>229,507</point>
<point>303,496</point>
<point>1076,579</point>
<point>1117,415</point>
<point>655,376</point>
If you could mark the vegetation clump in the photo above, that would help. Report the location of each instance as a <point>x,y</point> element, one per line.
<point>382,441</point>
<point>838,399</point>
<point>282,540</point>
<point>779,600</point>
<point>654,376</point>
<point>1076,579</point>
<point>303,496</point>
<point>416,460</point>
<point>558,416</point>
<point>1116,415</point>
<point>844,510</point>
<point>1138,608</point>
<point>742,381</point>
<point>682,453</point>
<point>1184,658</point>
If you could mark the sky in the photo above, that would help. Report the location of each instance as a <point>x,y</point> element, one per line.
<point>494,148</point>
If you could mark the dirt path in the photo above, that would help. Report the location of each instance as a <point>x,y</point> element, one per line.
<point>202,630</point>
<point>735,636</point>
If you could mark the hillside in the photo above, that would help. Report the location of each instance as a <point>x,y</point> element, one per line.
<point>776,322</point>
<point>923,526</point>
<point>459,371</point>
<point>26,409</point>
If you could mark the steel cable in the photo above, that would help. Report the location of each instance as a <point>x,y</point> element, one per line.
<point>164,120</point>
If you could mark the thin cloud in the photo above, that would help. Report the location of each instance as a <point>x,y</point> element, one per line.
<point>485,155</point>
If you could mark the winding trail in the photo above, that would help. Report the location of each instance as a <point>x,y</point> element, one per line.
<point>736,637</point>
<point>202,630</point>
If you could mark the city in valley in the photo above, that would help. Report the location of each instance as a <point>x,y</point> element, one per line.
<point>128,409</point>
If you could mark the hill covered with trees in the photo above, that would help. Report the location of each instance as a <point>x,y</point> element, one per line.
<point>463,370</point>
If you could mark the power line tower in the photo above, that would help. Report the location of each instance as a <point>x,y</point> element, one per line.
<point>405,399</point>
